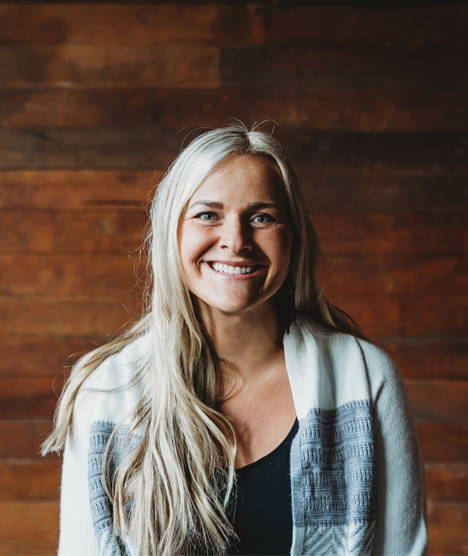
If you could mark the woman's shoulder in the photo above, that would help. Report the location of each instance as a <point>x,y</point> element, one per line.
<point>348,351</point>
<point>112,390</point>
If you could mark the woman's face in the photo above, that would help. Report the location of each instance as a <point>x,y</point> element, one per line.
<point>235,239</point>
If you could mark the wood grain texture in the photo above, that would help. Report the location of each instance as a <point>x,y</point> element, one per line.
<point>76,189</point>
<point>155,147</point>
<point>88,231</point>
<point>221,23</point>
<point>129,25</point>
<point>72,276</point>
<point>28,528</point>
<point>39,355</point>
<point>447,482</point>
<point>448,534</point>
<point>53,316</point>
<point>22,438</point>
<point>164,65</point>
<point>29,480</point>
<point>430,359</point>
<point>352,67</point>
<point>299,108</point>
<point>439,401</point>
<point>443,442</point>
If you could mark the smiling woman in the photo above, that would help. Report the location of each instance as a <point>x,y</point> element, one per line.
<point>243,413</point>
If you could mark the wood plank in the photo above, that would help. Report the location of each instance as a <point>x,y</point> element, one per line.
<point>443,442</point>
<point>367,24</point>
<point>43,356</point>
<point>88,231</point>
<point>439,401</point>
<point>341,234</point>
<point>429,359</point>
<point>32,397</point>
<point>420,151</point>
<point>28,528</point>
<point>95,24</point>
<point>22,480</point>
<point>154,147</point>
<point>22,438</point>
<point>76,189</point>
<point>447,482</point>
<point>49,148</point>
<point>354,66</point>
<point>29,315</point>
<point>71,276</point>
<point>137,25</point>
<point>406,109</point>
<point>423,318</point>
<point>164,65</point>
<point>358,190</point>
<point>382,187</point>
<point>415,233</point>
<point>397,275</point>
<point>447,526</point>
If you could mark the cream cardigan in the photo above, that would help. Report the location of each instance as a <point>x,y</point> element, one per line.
<point>356,478</point>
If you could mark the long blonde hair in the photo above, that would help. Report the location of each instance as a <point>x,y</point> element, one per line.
<point>173,479</point>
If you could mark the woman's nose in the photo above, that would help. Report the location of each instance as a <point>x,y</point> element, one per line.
<point>236,236</point>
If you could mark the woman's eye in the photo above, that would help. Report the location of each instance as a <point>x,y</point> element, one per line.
<point>263,218</point>
<point>206,216</point>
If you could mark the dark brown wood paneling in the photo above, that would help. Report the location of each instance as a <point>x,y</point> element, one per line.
<point>300,108</point>
<point>443,442</point>
<point>28,397</point>
<point>28,528</point>
<point>398,275</point>
<point>429,358</point>
<point>29,480</point>
<point>164,65</point>
<point>76,189</point>
<point>91,231</point>
<point>352,67</point>
<point>447,482</point>
<point>439,401</point>
<point>42,315</point>
<point>129,25</point>
<point>448,534</point>
<point>22,438</point>
<point>72,276</point>
<point>50,148</point>
<point>43,355</point>
<point>416,233</point>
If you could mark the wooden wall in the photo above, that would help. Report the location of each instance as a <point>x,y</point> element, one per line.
<point>95,100</point>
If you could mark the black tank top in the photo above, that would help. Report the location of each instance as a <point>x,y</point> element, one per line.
<point>261,511</point>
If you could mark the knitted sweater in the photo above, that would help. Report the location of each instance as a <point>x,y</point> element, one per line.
<point>356,478</point>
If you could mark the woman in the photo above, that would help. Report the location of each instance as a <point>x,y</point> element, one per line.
<point>242,413</point>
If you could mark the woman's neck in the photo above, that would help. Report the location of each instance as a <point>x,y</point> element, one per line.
<point>246,344</point>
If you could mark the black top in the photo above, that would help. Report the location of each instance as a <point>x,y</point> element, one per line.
<point>261,511</point>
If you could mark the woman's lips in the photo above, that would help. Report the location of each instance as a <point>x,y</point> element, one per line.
<point>226,275</point>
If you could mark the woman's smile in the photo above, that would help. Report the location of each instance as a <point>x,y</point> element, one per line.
<point>230,271</point>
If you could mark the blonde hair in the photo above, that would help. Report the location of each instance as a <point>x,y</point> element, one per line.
<point>186,457</point>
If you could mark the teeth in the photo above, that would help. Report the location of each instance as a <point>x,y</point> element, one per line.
<point>232,269</point>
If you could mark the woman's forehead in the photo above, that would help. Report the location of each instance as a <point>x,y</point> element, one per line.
<point>243,175</point>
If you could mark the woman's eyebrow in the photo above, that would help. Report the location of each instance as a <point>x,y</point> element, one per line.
<point>254,206</point>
